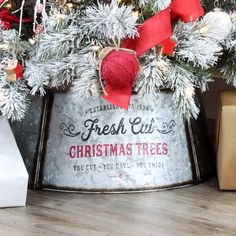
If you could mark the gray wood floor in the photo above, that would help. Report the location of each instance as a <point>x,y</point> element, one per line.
<point>197,210</point>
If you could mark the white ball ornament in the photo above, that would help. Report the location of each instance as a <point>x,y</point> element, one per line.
<point>219,25</point>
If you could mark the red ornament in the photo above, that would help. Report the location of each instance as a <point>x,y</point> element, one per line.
<point>39,8</point>
<point>14,70</point>
<point>5,25</point>
<point>119,70</point>
<point>39,29</point>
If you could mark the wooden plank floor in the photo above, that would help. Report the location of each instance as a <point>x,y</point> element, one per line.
<point>197,210</point>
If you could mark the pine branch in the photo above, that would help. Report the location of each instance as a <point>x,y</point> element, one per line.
<point>195,48</point>
<point>154,71</point>
<point>15,102</point>
<point>55,44</point>
<point>224,4</point>
<point>227,64</point>
<point>37,78</point>
<point>109,21</point>
<point>86,85</point>
<point>228,67</point>
<point>181,82</point>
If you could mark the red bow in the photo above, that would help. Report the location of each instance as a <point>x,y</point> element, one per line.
<point>6,18</point>
<point>158,29</point>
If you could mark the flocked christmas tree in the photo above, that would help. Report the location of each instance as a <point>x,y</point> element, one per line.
<point>80,44</point>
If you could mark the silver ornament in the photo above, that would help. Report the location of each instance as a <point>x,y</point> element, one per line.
<point>218,25</point>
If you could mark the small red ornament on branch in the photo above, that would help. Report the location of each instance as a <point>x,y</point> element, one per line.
<point>118,69</point>
<point>14,70</point>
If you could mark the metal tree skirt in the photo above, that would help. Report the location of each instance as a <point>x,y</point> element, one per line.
<point>97,147</point>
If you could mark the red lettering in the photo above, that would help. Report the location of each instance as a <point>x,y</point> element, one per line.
<point>79,151</point>
<point>93,150</point>
<point>129,149</point>
<point>139,148</point>
<point>152,148</point>
<point>113,150</point>
<point>158,148</point>
<point>165,148</point>
<point>106,149</point>
<point>122,150</point>
<point>145,149</point>
<point>87,151</point>
<point>72,152</point>
<point>99,150</point>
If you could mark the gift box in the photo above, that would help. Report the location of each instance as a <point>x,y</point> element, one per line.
<point>13,174</point>
<point>225,142</point>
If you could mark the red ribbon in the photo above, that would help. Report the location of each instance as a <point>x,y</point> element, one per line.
<point>152,32</point>
<point>6,17</point>
<point>186,10</point>
<point>157,30</point>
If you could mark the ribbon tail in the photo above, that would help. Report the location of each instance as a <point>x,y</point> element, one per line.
<point>168,46</point>
<point>186,10</point>
<point>152,32</point>
<point>118,97</point>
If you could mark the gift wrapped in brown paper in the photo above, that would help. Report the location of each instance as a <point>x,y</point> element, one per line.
<point>225,144</point>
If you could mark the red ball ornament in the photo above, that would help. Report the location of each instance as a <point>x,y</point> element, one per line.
<point>39,8</point>
<point>119,70</point>
<point>39,29</point>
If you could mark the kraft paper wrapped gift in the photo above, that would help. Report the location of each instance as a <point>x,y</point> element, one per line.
<point>13,174</point>
<point>226,141</point>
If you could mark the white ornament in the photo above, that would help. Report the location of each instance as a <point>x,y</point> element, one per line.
<point>233,19</point>
<point>218,24</point>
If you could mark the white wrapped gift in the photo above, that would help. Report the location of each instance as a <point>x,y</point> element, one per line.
<point>13,174</point>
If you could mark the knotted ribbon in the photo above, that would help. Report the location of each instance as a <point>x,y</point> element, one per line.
<point>157,30</point>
